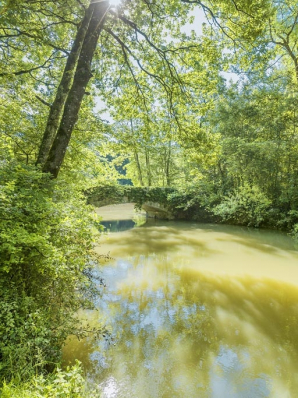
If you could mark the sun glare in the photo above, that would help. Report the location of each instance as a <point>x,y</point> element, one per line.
<point>115,3</point>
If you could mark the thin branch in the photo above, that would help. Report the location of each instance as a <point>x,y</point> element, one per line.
<point>208,10</point>
<point>43,101</point>
<point>160,52</point>
<point>22,72</point>
<point>126,50</point>
<point>17,144</point>
<point>293,26</point>
<point>240,10</point>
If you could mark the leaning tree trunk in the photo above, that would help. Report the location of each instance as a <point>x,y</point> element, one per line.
<point>76,94</point>
<point>57,107</point>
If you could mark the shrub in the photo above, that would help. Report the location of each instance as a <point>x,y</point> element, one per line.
<point>69,383</point>
<point>245,206</point>
<point>46,240</point>
<point>294,232</point>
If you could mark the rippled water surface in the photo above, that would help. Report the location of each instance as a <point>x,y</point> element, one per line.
<point>196,310</point>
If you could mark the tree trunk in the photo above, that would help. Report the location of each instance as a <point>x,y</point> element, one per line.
<point>57,107</point>
<point>77,91</point>
<point>296,69</point>
<point>140,176</point>
<point>148,168</point>
<point>136,156</point>
<point>168,162</point>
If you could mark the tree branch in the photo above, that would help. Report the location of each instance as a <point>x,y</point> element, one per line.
<point>240,10</point>
<point>43,101</point>
<point>126,50</point>
<point>162,53</point>
<point>208,10</point>
<point>22,72</point>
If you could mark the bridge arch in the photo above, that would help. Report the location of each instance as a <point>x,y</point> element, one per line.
<point>154,200</point>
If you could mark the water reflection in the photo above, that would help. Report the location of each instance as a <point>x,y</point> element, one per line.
<point>182,329</point>
<point>117,225</point>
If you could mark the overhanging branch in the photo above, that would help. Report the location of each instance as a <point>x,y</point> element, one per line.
<point>23,71</point>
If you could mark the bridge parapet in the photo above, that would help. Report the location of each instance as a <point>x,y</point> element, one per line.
<point>153,200</point>
<point>162,203</point>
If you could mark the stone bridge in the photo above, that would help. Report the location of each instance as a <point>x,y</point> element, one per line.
<point>155,201</point>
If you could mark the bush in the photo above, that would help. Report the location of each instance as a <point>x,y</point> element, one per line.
<point>294,232</point>
<point>64,384</point>
<point>46,239</point>
<point>245,206</point>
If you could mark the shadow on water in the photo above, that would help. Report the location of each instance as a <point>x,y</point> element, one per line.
<point>262,239</point>
<point>146,240</point>
<point>156,236</point>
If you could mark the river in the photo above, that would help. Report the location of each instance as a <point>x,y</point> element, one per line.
<point>195,310</point>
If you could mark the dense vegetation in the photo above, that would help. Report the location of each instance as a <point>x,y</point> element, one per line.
<point>228,147</point>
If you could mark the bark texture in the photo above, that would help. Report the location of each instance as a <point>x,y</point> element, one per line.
<point>57,107</point>
<point>77,91</point>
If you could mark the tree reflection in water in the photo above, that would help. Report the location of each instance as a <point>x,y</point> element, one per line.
<point>183,332</point>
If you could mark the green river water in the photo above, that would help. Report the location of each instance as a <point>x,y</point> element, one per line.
<point>196,310</point>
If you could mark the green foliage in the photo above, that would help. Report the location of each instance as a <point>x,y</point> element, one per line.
<point>105,194</point>
<point>191,203</point>
<point>245,206</point>
<point>295,232</point>
<point>114,193</point>
<point>46,240</point>
<point>186,204</point>
<point>69,383</point>
<point>29,341</point>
